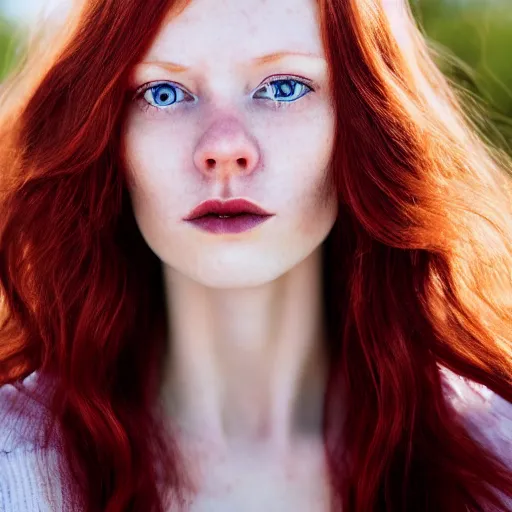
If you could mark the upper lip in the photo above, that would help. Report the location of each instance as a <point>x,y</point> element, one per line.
<point>230,207</point>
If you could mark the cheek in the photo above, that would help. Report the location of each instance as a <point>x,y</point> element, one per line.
<point>145,183</point>
<point>134,155</point>
<point>319,211</point>
<point>318,205</point>
<point>145,164</point>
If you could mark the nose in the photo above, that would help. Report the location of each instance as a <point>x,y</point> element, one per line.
<point>226,150</point>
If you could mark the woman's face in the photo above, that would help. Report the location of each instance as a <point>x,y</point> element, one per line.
<point>233,125</point>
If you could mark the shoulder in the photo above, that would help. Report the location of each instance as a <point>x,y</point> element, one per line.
<point>487,415</point>
<point>30,467</point>
<point>24,413</point>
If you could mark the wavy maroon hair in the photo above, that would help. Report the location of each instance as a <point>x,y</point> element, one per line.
<point>417,268</point>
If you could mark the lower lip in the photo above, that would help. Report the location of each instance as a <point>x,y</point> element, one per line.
<point>236,224</point>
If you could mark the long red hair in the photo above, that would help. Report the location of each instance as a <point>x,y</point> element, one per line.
<point>417,268</point>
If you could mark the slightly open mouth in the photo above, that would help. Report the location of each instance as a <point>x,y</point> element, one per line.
<point>216,216</point>
<point>236,223</point>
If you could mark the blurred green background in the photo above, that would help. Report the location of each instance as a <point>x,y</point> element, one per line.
<point>474,37</point>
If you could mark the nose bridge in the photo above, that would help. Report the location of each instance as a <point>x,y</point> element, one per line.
<point>225,149</point>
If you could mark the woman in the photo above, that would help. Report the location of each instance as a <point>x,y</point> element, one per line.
<point>253,257</point>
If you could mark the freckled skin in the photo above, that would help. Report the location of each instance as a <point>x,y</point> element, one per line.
<point>287,149</point>
<point>244,309</point>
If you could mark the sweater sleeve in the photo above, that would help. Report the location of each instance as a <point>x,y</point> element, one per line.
<point>30,481</point>
<point>31,469</point>
<point>487,416</point>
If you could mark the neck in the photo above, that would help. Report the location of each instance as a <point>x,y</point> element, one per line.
<point>246,365</point>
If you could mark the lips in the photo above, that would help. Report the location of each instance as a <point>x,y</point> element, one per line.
<point>223,209</point>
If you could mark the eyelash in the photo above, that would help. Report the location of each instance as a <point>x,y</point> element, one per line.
<point>141,91</point>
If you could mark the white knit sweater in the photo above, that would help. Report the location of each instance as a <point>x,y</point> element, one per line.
<point>30,474</point>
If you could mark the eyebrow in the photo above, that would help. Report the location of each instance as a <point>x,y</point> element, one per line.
<point>256,61</point>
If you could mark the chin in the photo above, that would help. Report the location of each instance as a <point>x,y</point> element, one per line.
<point>237,276</point>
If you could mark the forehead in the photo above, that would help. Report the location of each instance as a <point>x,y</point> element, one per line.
<point>237,29</point>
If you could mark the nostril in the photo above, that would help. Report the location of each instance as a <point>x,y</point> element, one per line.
<point>210,162</point>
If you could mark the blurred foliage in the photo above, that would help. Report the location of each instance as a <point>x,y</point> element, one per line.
<point>474,36</point>
<point>9,46</point>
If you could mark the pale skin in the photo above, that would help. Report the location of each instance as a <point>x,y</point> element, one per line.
<point>245,378</point>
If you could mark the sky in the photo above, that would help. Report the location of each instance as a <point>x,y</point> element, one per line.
<point>26,10</point>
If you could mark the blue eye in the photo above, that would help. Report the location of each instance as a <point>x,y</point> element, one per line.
<point>161,95</point>
<point>284,90</point>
